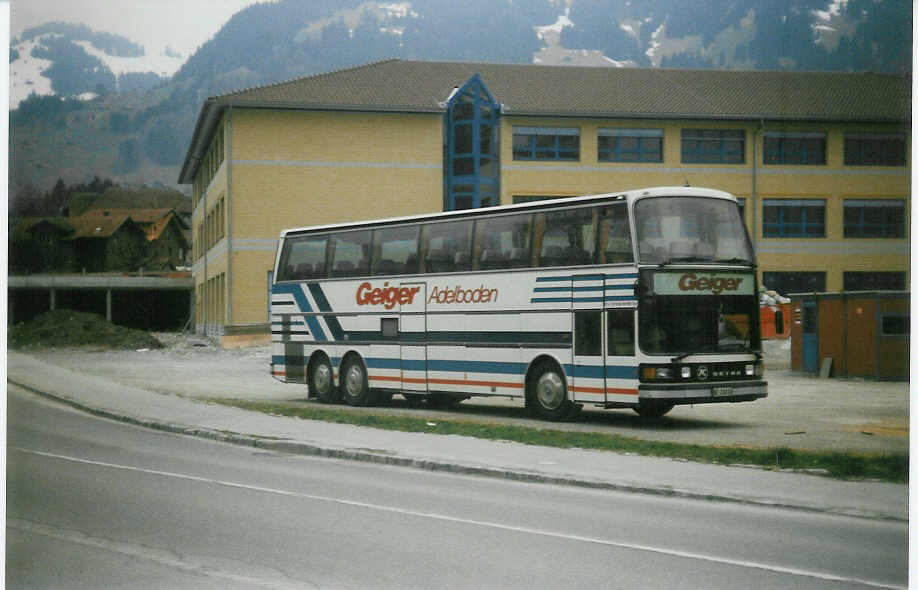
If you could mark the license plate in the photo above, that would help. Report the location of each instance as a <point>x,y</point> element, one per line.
<point>721,391</point>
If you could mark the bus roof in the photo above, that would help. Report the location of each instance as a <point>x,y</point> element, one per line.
<point>630,196</point>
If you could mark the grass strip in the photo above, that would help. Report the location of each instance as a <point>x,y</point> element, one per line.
<point>891,467</point>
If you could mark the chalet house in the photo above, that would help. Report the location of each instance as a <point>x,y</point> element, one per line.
<point>167,235</point>
<point>101,240</point>
<point>105,242</point>
<point>41,244</point>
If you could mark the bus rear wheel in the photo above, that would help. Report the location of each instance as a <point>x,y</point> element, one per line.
<point>548,392</point>
<point>322,382</point>
<point>354,386</point>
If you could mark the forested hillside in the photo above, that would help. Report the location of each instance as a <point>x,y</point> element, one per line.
<point>135,128</point>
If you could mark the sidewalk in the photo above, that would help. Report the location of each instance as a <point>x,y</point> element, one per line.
<point>138,404</point>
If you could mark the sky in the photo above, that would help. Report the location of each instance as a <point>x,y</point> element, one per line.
<point>183,25</point>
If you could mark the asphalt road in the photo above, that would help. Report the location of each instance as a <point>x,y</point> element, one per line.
<point>93,503</point>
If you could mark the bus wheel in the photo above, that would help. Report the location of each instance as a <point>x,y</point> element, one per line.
<point>653,409</point>
<point>354,385</point>
<point>322,382</point>
<point>548,392</point>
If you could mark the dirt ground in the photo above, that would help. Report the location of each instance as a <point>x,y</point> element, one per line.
<point>800,411</point>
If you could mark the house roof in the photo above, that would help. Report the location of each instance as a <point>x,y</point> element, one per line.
<point>96,224</point>
<point>537,90</point>
<point>151,221</point>
<point>22,229</point>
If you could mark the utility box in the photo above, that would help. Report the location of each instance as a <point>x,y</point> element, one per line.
<point>866,334</point>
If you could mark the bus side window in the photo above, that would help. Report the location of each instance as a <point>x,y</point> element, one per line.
<point>588,333</point>
<point>620,336</point>
<point>566,238</point>
<point>395,250</point>
<point>446,247</point>
<point>303,258</point>
<point>615,235</point>
<point>503,242</point>
<point>350,255</point>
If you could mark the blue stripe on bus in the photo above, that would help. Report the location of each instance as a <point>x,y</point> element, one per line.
<point>300,297</point>
<point>552,290</point>
<point>484,367</point>
<point>333,324</point>
<point>619,287</point>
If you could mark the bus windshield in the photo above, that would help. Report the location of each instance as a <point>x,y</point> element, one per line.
<point>690,229</point>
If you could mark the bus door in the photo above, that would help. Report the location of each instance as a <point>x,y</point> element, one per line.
<point>587,295</point>
<point>621,365</point>
<point>412,336</point>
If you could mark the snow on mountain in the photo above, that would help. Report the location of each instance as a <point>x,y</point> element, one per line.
<point>26,74</point>
<point>162,65</point>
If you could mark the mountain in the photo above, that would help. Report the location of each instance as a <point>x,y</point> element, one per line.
<point>102,107</point>
<point>70,60</point>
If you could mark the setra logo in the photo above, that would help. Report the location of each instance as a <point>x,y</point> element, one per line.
<point>691,282</point>
<point>386,296</point>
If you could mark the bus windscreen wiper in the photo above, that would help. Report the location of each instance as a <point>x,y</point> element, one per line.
<point>677,259</point>
<point>732,261</point>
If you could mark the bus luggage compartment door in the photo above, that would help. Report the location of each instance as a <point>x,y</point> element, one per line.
<point>412,337</point>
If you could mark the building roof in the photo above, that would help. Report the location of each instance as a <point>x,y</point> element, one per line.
<point>97,224</point>
<point>151,221</point>
<point>561,91</point>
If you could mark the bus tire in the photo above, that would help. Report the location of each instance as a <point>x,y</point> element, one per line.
<point>321,381</point>
<point>547,392</point>
<point>354,385</point>
<point>653,409</point>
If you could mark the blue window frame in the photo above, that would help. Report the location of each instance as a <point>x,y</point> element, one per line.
<point>546,143</point>
<point>713,146</point>
<point>874,218</point>
<point>794,148</point>
<point>794,218</point>
<point>630,145</point>
<point>875,149</point>
<point>471,157</point>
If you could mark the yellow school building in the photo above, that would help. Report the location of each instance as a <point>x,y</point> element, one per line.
<point>819,161</point>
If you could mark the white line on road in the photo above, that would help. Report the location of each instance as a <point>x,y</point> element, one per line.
<point>195,565</point>
<point>493,525</point>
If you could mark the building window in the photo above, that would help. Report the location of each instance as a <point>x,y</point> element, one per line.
<point>794,218</point>
<point>546,143</point>
<point>874,218</point>
<point>874,281</point>
<point>794,281</point>
<point>895,325</point>
<point>794,148</point>
<point>630,145</point>
<point>713,146</point>
<point>874,149</point>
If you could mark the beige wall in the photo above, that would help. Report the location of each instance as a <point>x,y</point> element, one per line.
<point>293,168</point>
<point>833,182</point>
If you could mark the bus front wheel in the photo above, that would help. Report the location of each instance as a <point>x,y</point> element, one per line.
<point>354,386</point>
<point>548,392</point>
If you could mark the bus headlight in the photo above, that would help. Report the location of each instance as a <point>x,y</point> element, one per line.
<point>750,370</point>
<point>656,373</point>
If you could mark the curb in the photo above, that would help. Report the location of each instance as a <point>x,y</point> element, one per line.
<point>382,458</point>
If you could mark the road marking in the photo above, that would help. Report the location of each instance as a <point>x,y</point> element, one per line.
<point>196,565</point>
<point>505,527</point>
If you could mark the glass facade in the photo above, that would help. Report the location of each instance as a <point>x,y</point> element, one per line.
<point>471,156</point>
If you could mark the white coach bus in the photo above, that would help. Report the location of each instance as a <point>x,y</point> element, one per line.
<point>641,300</point>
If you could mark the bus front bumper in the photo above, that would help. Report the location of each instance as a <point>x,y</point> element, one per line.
<point>703,393</point>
